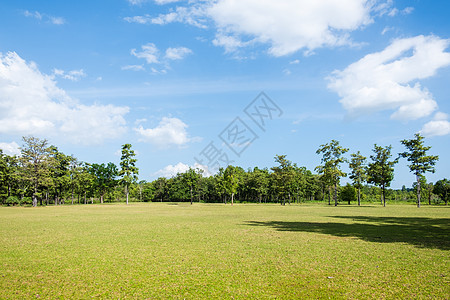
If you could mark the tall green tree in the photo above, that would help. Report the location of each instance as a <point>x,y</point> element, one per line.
<point>381,169</point>
<point>128,170</point>
<point>420,162</point>
<point>35,159</point>
<point>332,158</point>
<point>358,172</point>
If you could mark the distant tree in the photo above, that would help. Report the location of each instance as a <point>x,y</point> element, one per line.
<point>332,158</point>
<point>160,188</point>
<point>191,178</point>
<point>420,163</point>
<point>105,177</point>
<point>60,164</point>
<point>231,180</point>
<point>442,189</point>
<point>85,180</point>
<point>381,169</point>
<point>9,172</point>
<point>284,175</point>
<point>260,186</point>
<point>128,170</point>
<point>358,172</point>
<point>35,161</point>
<point>348,193</point>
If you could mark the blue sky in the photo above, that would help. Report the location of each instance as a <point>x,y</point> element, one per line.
<point>171,77</point>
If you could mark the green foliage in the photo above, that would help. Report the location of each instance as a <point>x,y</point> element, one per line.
<point>358,171</point>
<point>348,193</point>
<point>420,163</point>
<point>332,158</point>
<point>381,169</point>
<point>284,177</point>
<point>128,170</point>
<point>442,189</point>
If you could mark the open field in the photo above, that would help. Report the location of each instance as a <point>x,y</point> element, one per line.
<point>217,251</point>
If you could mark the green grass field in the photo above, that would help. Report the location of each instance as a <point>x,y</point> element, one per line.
<point>229,252</point>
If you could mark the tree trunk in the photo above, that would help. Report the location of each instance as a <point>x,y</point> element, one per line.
<point>418,190</point>
<point>232,198</point>
<point>101,198</point>
<point>191,194</point>
<point>359,196</point>
<point>335,194</point>
<point>329,195</point>
<point>126,191</point>
<point>383,196</point>
<point>85,202</point>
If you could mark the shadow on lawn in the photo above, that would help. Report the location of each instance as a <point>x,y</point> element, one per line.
<point>420,232</point>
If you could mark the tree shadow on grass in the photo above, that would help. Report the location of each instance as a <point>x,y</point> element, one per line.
<point>420,232</point>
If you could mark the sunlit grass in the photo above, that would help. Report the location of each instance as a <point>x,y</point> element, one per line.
<point>217,251</point>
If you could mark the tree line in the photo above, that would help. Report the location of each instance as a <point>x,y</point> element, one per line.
<point>43,175</point>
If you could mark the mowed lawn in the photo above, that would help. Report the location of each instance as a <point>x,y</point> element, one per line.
<point>161,250</point>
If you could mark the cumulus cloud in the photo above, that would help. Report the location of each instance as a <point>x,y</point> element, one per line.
<point>31,103</point>
<point>287,27</point>
<point>172,170</point>
<point>10,148</point>
<point>439,126</point>
<point>169,132</point>
<point>388,80</point>
<point>293,25</point>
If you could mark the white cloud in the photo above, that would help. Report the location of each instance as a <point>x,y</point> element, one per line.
<point>169,132</point>
<point>439,126</point>
<point>387,80</point>
<point>149,53</point>
<point>31,103</point>
<point>287,27</point>
<point>230,43</point>
<point>57,20</point>
<point>294,62</point>
<point>136,2</point>
<point>294,24</point>
<point>10,148</point>
<point>162,2</point>
<point>36,14</point>
<point>152,55</point>
<point>133,67</point>
<point>172,170</point>
<point>74,75</point>
<point>40,16</point>
<point>177,53</point>
<point>194,15</point>
<point>408,10</point>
